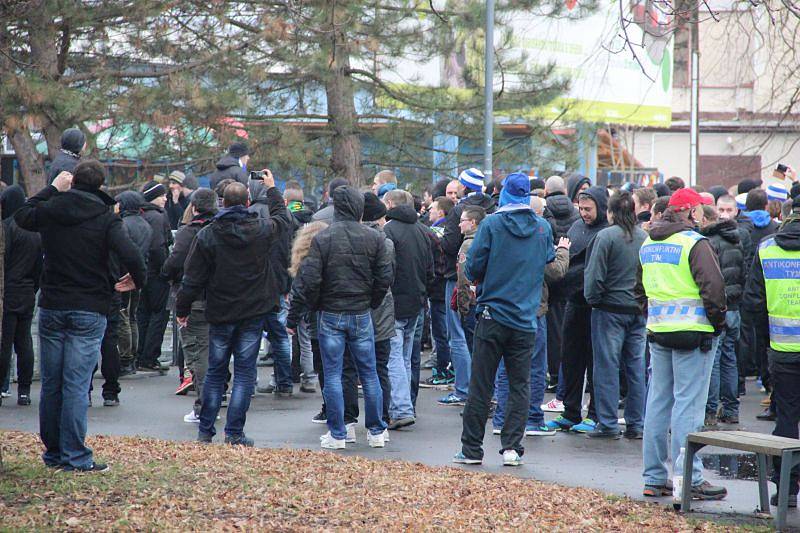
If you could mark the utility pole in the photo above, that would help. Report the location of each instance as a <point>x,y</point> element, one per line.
<point>488,112</point>
<point>694,126</point>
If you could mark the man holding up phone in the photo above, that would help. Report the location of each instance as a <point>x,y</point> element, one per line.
<point>229,260</point>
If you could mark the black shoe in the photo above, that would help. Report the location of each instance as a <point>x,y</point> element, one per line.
<point>203,438</point>
<point>266,360</point>
<point>286,392</point>
<point>320,418</point>
<point>767,415</point>
<point>551,388</point>
<point>127,370</point>
<point>604,434</point>
<point>707,491</point>
<point>402,422</point>
<point>94,468</point>
<point>24,399</point>
<point>149,367</point>
<point>111,402</point>
<point>224,402</point>
<point>241,440</point>
<point>729,419</point>
<point>792,500</point>
<point>633,434</point>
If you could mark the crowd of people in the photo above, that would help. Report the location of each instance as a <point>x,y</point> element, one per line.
<point>658,301</point>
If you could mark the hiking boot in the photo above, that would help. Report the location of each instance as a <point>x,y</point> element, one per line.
<point>461,459</point>
<point>633,434</point>
<point>553,406</point>
<point>707,491</point>
<point>511,458</point>
<point>376,441</point>
<point>658,491</point>
<point>767,415</point>
<point>329,443</point>
<point>240,440</point>
<point>186,385</point>
<point>560,424</point>
<point>351,433</point>
<point>597,433</point>
<point>586,425</point>
<point>539,431</point>
<point>111,402</point>
<point>402,422</point>
<point>23,399</point>
<point>792,500</point>
<point>452,399</point>
<point>711,420</point>
<point>320,418</point>
<point>729,419</point>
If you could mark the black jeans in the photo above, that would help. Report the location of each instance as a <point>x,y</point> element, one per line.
<point>152,317</point>
<point>494,341</point>
<point>17,335</point>
<point>109,355</point>
<point>786,399</point>
<point>555,325</point>
<point>577,361</point>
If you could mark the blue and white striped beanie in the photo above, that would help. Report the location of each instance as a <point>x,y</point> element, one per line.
<point>777,191</point>
<point>472,179</point>
<point>741,200</point>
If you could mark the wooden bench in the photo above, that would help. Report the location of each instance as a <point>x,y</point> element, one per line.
<point>760,444</point>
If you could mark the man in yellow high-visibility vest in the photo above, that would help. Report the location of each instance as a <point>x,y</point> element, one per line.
<point>773,298</point>
<point>685,292</point>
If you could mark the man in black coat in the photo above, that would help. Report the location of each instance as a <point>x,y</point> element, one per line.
<point>413,276</point>
<point>229,261</point>
<point>176,200</point>
<point>352,261</point>
<point>79,232</point>
<point>153,315</point>
<point>73,143</point>
<point>232,165</point>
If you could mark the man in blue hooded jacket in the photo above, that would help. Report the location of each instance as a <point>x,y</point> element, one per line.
<point>506,261</point>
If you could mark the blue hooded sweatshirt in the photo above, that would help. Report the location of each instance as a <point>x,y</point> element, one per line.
<point>507,259</point>
<point>760,218</point>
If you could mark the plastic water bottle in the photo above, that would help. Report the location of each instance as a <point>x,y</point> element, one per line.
<point>677,480</point>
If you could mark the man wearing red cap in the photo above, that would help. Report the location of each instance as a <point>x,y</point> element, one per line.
<point>686,307</point>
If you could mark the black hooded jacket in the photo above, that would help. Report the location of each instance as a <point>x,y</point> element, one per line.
<point>79,233</point>
<point>280,253</point>
<point>175,210</point>
<point>724,237</point>
<point>140,232</point>
<point>755,297</point>
<point>581,235</point>
<point>574,183</point>
<point>413,259</point>
<point>347,269</point>
<point>161,238</point>
<point>452,238</point>
<point>229,259</point>
<point>23,257</point>
<point>561,214</point>
<point>228,167</point>
<point>63,162</point>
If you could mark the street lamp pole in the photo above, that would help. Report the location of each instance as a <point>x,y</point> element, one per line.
<point>488,112</point>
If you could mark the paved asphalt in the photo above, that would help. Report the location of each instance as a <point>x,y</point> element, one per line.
<point>149,408</point>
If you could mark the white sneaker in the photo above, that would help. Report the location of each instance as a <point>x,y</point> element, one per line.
<point>351,433</point>
<point>375,441</point>
<point>621,422</point>
<point>385,435</point>
<point>496,431</point>
<point>553,406</point>
<point>329,443</point>
<point>511,458</point>
<point>191,418</point>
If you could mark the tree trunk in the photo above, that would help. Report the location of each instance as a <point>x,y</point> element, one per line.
<point>345,144</point>
<point>32,177</point>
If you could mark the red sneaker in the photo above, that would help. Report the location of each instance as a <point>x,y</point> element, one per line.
<point>186,385</point>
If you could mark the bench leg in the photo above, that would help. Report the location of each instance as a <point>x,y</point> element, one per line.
<point>763,489</point>
<point>686,497</point>
<point>783,489</point>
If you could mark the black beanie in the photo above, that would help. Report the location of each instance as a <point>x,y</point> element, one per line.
<point>335,184</point>
<point>374,209</point>
<point>152,190</point>
<point>747,185</point>
<point>661,190</point>
<point>238,150</point>
<point>72,140</point>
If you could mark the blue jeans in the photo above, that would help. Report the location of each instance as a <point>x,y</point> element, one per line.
<point>617,340</point>
<point>242,340</point>
<point>459,353</point>
<point>275,326</point>
<point>400,375</point>
<point>439,334</point>
<point>337,330</point>
<point>538,378</point>
<point>725,374</point>
<point>69,347</point>
<point>676,401</point>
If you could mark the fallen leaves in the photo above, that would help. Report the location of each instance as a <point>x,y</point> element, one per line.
<point>157,484</point>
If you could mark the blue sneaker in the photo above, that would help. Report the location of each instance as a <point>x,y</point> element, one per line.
<point>452,399</point>
<point>543,430</point>
<point>559,424</point>
<point>461,459</point>
<point>585,426</point>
